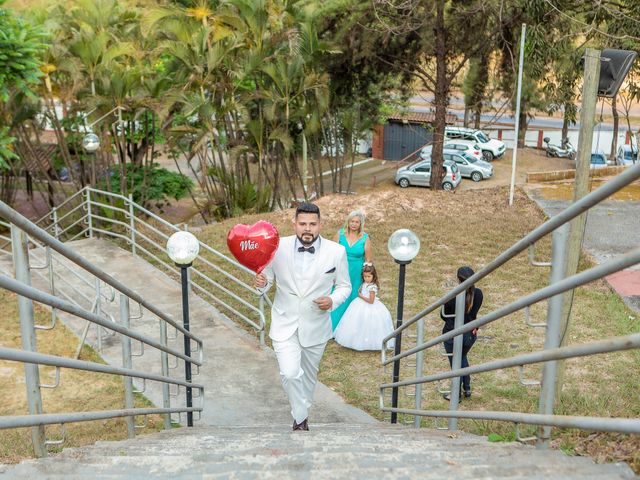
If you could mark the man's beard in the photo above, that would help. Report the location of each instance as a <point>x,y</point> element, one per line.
<point>306,243</point>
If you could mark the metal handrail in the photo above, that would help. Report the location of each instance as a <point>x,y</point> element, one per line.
<point>622,425</point>
<point>37,232</point>
<point>627,342</point>
<point>21,421</point>
<point>577,208</point>
<point>552,351</point>
<point>136,236</point>
<point>48,214</point>
<point>39,296</point>
<point>15,355</point>
<point>22,232</point>
<point>565,285</point>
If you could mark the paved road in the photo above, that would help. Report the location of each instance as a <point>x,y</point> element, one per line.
<point>424,103</point>
<point>613,228</point>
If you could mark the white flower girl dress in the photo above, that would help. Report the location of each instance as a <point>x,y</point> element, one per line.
<point>364,325</point>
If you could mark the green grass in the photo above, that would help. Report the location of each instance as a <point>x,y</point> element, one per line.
<point>78,391</point>
<point>473,227</point>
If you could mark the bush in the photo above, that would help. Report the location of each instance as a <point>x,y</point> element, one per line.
<point>151,184</point>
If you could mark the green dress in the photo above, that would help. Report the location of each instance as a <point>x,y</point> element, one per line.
<point>355,257</point>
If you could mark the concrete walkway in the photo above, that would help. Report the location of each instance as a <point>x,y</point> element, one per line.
<point>326,452</point>
<point>613,228</point>
<point>245,430</point>
<point>241,379</point>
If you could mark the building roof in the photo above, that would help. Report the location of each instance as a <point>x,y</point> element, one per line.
<point>420,117</point>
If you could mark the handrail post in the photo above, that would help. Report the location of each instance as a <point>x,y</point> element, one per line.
<point>127,363</point>
<point>52,283</point>
<point>419,364</point>
<point>98,312</point>
<point>20,250</point>
<point>164,359</point>
<point>454,395</point>
<point>262,322</point>
<point>132,224</point>
<point>553,333</point>
<point>54,217</point>
<point>88,200</point>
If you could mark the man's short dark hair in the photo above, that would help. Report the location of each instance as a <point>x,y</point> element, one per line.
<point>307,208</point>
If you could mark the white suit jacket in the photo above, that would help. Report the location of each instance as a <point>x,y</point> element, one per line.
<point>293,306</point>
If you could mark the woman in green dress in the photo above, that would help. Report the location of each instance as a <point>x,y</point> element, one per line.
<point>358,246</point>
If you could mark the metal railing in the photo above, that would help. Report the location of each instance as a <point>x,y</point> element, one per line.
<point>552,351</point>
<point>91,212</point>
<point>25,233</point>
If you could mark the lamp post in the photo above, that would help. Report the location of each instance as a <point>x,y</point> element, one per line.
<point>182,248</point>
<point>403,246</point>
<point>91,142</point>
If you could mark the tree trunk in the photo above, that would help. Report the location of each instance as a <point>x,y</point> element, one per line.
<point>480,87</point>
<point>616,123</point>
<point>565,126</point>
<point>441,98</point>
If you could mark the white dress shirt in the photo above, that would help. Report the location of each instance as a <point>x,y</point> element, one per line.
<point>304,260</point>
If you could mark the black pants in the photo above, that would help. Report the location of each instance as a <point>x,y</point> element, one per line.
<point>468,339</point>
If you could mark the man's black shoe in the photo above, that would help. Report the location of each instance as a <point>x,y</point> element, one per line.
<point>303,425</point>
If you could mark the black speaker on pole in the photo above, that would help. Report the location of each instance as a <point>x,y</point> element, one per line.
<point>614,66</point>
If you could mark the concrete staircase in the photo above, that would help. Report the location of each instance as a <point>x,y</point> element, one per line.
<point>327,451</point>
<point>245,429</point>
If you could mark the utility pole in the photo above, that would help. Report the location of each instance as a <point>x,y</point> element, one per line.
<point>517,119</point>
<point>580,189</point>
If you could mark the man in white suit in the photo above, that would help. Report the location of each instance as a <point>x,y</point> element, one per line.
<point>306,268</point>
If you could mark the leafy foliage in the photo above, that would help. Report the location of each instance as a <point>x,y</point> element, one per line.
<point>237,197</point>
<point>151,183</point>
<point>20,45</point>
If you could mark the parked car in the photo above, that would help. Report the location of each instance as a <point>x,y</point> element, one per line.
<point>419,174</point>
<point>599,160</point>
<point>627,155</point>
<point>470,167</point>
<point>490,147</point>
<point>459,146</point>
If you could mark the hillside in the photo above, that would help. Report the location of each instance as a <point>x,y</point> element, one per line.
<point>473,227</point>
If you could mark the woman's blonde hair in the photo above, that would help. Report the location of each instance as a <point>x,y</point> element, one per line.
<point>355,213</point>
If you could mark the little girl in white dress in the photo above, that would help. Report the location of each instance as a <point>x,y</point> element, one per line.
<point>367,320</point>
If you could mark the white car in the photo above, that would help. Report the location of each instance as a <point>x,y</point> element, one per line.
<point>599,160</point>
<point>627,155</point>
<point>458,146</point>
<point>490,147</point>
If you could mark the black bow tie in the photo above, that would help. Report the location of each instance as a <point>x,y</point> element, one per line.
<point>311,249</point>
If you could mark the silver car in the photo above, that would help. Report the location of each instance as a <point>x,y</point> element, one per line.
<point>419,174</point>
<point>457,146</point>
<point>470,166</point>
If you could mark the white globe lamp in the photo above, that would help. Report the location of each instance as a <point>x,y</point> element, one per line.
<point>91,142</point>
<point>403,245</point>
<point>183,248</point>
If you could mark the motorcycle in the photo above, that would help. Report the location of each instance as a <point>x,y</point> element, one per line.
<point>566,150</point>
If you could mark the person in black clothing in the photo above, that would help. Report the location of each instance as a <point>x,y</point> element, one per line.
<point>473,300</point>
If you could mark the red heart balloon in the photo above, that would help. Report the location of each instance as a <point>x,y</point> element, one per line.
<point>253,245</point>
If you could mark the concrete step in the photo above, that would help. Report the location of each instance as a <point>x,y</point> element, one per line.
<point>326,451</point>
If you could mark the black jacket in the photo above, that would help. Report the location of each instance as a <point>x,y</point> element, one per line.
<point>450,309</point>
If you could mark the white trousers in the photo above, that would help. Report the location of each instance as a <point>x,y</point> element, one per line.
<point>299,372</point>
